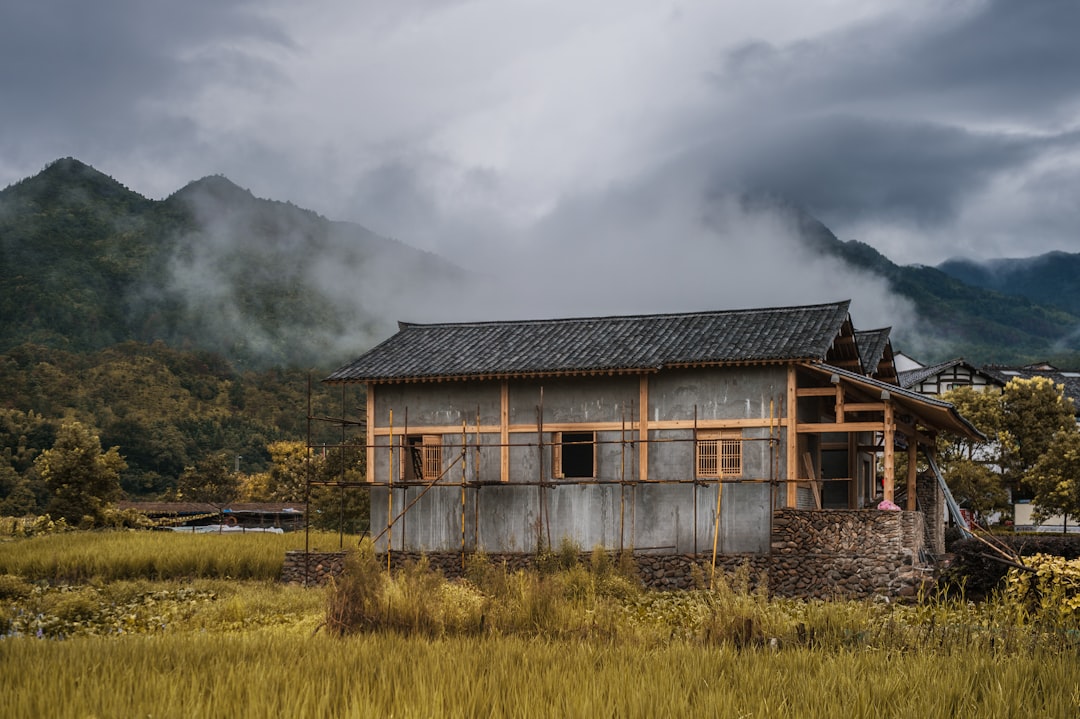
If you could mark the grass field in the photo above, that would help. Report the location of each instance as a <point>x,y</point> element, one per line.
<point>579,642</point>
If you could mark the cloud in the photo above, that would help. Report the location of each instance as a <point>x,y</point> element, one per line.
<point>475,129</point>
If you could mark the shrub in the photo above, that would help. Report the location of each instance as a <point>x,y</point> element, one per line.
<point>1047,593</point>
<point>979,570</point>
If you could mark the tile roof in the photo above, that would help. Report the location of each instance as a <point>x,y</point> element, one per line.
<point>599,344</point>
<point>872,347</point>
<point>1069,378</point>
<point>910,378</point>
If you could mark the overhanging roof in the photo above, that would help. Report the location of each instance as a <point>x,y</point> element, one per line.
<point>932,412</point>
<point>637,343</point>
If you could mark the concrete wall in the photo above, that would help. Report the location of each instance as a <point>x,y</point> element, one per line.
<point>676,516</point>
<point>650,518</point>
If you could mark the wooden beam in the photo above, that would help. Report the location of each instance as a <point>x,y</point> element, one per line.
<point>504,431</point>
<point>815,392</point>
<point>865,406</point>
<point>665,425</point>
<point>840,404</point>
<point>815,486</point>
<point>822,427</point>
<point>792,453</point>
<point>643,427</point>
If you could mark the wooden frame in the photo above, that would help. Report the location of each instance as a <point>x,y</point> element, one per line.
<point>424,455</point>
<point>557,456</point>
<point>718,453</point>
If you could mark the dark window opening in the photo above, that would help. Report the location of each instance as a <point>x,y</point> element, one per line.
<point>577,454</point>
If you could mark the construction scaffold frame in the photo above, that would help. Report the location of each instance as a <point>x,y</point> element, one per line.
<point>629,476</point>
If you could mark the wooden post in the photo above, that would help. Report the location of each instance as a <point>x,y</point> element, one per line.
<point>912,483</point>
<point>370,432</point>
<point>504,431</point>
<point>890,460</point>
<point>643,427</point>
<point>792,439</point>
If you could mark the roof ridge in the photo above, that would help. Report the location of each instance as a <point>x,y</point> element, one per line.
<point>402,324</point>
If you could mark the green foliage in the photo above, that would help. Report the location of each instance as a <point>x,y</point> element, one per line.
<point>83,480</point>
<point>969,465</point>
<point>978,572</point>
<point>1033,444</point>
<point>1047,593</point>
<point>165,410</point>
<point>1034,411</point>
<point>210,480</point>
<point>1055,477</point>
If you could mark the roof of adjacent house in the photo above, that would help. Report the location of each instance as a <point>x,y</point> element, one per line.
<point>872,344</point>
<point>190,508</point>
<point>910,378</point>
<point>599,344</point>
<point>1069,378</point>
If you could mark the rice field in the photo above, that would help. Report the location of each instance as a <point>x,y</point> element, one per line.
<point>287,673</point>
<point>117,555</point>
<point>578,642</point>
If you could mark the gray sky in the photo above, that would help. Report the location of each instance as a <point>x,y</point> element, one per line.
<point>577,145</point>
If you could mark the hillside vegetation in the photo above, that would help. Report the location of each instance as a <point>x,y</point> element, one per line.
<point>186,331</point>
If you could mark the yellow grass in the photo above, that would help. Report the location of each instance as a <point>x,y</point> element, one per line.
<point>115,555</point>
<point>287,673</point>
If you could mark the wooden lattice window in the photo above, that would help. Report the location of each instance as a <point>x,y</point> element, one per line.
<point>422,457</point>
<point>719,453</point>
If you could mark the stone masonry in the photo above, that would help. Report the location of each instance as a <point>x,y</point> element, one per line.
<point>819,554</point>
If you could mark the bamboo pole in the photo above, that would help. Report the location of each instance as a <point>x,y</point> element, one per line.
<point>390,495</point>
<point>464,449</point>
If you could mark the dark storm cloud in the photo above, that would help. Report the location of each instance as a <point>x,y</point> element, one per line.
<point>856,168</point>
<point>78,75</point>
<point>911,120</point>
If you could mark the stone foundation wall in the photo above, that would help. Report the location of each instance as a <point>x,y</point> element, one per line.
<point>858,553</point>
<point>932,505</point>
<point>815,554</point>
<point>310,568</point>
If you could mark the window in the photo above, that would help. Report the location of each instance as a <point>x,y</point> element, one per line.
<point>719,453</point>
<point>422,458</point>
<point>573,454</point>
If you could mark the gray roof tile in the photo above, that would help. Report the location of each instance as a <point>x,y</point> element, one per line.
<point>597,344</point>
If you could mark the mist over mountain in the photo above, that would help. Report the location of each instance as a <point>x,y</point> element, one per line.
<point>1051,279</point>
<point>86,263</point>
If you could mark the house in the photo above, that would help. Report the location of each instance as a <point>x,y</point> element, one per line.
<point>229,517</point>
<point>1068,379</point>
<point>709,434</point>
<point>939,378</point>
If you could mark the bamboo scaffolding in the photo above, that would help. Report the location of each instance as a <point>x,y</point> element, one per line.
<point>630,437</point>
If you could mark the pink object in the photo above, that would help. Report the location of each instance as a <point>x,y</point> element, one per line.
<point>888,506</point>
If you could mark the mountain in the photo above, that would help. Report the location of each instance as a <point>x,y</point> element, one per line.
<point>960,316</point>
<point>86,263</point>
<point>1052,279</point>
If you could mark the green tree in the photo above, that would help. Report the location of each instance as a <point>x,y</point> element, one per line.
<point>1033,412</point>
<point>209,480</point>
<point>82,479</point>
<point>970,467</point>
<point>16,496</point>
<point>1055,478</point>
<point>289,471</point>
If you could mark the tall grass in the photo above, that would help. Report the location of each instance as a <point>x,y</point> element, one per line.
<point>278,673</point>
<point>120,555</point>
